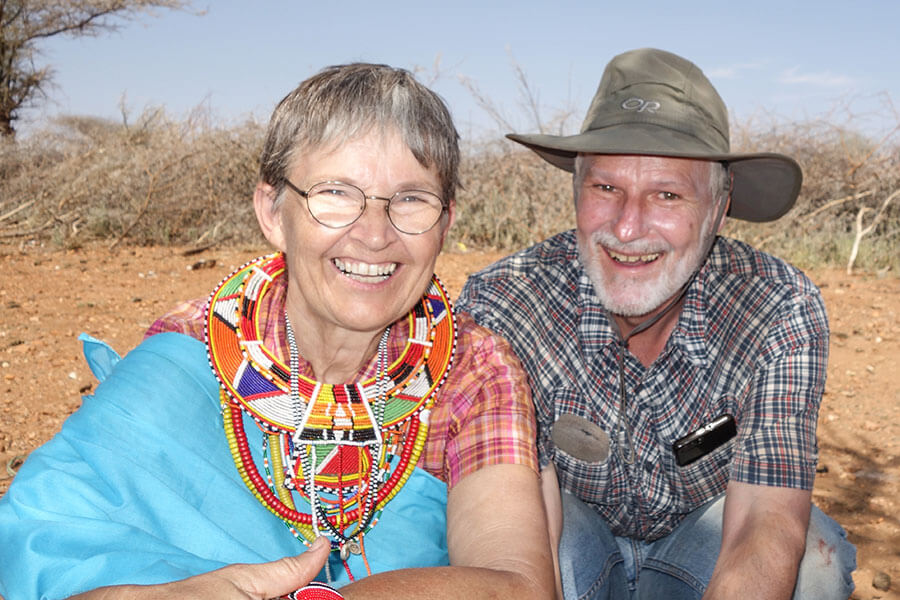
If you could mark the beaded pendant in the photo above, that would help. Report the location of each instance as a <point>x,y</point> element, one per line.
<point>336,457</point>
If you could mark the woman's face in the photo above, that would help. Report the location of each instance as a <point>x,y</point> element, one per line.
<point>367,275</point>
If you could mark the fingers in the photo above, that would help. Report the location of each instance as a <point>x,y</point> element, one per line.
<point>240,581</point>
<point>307,565</point>
<point>280,577</point>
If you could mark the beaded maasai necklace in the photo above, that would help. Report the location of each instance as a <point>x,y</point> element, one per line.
<point>334,455</point>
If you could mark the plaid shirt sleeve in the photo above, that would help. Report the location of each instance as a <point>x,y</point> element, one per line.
<point>186,318</point>
<point>484,414</point>
<point>782,406</point>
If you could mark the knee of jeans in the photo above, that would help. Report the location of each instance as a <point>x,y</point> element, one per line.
<point>584,530</point>
<point>589,560</point>
<point>828,563</point>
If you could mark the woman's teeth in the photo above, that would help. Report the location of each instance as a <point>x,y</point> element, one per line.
<point>361,271</point>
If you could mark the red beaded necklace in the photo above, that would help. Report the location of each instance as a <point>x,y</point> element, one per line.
<point>340,452</point>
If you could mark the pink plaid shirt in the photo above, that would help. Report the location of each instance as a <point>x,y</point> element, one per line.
<point>482,415</point>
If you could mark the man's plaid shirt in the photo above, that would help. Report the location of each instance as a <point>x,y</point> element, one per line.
<point>752,341</point>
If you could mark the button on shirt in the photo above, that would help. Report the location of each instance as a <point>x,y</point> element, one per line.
<point>751,341</point>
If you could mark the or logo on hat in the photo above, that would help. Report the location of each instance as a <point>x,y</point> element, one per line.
<point>641,105</point>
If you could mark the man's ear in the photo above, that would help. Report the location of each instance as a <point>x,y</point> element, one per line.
<point>724,218</point>
<point>268,214</point>
<point>727,203</point>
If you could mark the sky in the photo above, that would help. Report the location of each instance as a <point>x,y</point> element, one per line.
<point>770,60</point>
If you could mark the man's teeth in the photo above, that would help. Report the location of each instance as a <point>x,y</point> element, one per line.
<point>627,258</point>
<point>361,269</point>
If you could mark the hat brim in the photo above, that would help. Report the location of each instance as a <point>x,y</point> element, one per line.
<point>766,184</point>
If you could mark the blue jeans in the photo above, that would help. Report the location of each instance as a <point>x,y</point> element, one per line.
<point>596,565</point>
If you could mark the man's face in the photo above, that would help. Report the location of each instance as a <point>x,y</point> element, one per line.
<point>643,225</point>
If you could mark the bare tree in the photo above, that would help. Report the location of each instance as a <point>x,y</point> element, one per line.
<point>25,23</point>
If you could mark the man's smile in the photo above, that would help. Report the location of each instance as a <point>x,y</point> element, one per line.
<point>632,259</point>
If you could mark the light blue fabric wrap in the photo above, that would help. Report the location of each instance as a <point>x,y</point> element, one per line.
<point>139,487</point>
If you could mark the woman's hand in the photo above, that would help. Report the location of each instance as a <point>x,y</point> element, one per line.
<point>239,581</point>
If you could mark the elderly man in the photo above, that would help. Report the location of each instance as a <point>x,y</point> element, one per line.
<point>677,375</point>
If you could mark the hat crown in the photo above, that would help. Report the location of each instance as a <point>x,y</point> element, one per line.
<point>654,87</point>
<point>655,103</point>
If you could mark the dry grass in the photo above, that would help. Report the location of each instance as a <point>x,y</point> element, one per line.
<point>156,181</point>
<point>159,182</point>
<point>851,182</point>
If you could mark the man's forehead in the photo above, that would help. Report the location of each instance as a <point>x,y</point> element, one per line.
<point>612,163</point>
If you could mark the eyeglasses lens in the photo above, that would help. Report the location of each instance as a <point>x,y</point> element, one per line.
<point>338,205</point>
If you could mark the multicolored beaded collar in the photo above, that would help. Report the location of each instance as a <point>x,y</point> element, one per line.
<point>341,452</point>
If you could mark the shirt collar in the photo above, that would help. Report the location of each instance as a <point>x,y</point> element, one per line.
<point>689,335</point>
<point>594,328</point>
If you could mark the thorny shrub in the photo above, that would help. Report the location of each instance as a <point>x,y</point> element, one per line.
<point>189,183</point>
<point>157,181</point>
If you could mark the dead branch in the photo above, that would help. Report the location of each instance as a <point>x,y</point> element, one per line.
<point>861,232</point>
<point>485,103</point>
<point>831,203</point>
<point>872,151</point>
<point>19,208</point>
<point>141,211</point>
<point>199,246</point>
<point>766,240</point>
<point>15,234</point>
<point>150,190</point>
<point>529,96</point>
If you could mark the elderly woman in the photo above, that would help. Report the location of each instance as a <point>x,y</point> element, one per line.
<point>323,396</point>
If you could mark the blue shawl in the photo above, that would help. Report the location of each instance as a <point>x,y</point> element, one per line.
<point>139,487</point>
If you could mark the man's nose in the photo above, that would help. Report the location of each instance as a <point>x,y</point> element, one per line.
<point>630,221</point>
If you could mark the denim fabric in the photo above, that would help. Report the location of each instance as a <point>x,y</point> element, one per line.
<point>595,565</point>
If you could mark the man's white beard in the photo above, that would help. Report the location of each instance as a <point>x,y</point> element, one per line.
<point>631,296</point>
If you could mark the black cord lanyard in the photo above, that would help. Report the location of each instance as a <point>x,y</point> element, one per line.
<point>622,344</point>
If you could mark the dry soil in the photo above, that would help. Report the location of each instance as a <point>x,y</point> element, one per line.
<point>48,297</point>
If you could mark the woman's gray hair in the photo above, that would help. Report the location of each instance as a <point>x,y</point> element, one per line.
<point>344,102</point>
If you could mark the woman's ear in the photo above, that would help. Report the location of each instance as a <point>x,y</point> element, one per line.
<point>447,220</point>
<point>268,214</point>
<point>451,212</point>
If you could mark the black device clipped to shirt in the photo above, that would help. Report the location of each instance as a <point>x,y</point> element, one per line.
<point>701,442</point>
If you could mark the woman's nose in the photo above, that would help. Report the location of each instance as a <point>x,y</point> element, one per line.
<point>374,226</point>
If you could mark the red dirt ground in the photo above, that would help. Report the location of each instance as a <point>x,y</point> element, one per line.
<point>48,297</point>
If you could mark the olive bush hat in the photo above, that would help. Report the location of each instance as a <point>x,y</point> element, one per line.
<point>653,102</point>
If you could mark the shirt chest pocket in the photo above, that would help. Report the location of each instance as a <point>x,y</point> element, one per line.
<point>707,476</point>
<point>586,462</point>
<point>703,479</point>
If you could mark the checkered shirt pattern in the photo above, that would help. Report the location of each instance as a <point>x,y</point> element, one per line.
<point>483,414</point>
<point>751,340</point>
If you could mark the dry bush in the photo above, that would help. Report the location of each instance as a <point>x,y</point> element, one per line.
<point>511,198</point>
<point>160,181</point>
<point>850,181</point>
<point>157,181</point>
